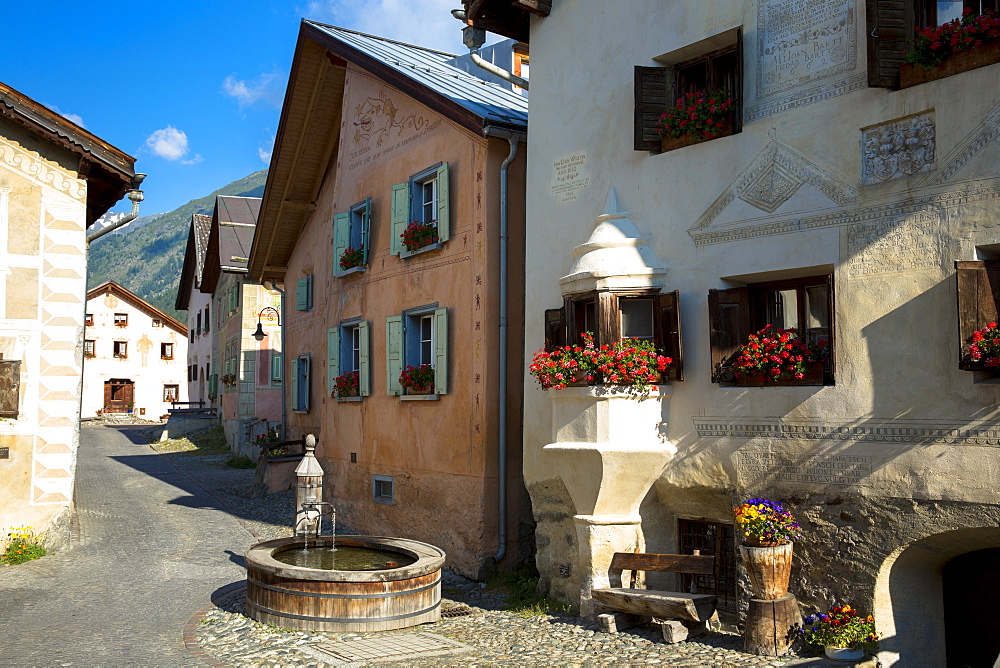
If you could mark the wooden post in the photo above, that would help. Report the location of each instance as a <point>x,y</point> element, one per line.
<point>771,625</point>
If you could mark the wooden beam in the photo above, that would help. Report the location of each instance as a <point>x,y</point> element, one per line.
<point>654,603</point>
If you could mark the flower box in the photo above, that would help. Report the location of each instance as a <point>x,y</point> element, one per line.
<point>674,143</point>
<point>423,249</point>
<point>912,74</point>
<point>813,376</point>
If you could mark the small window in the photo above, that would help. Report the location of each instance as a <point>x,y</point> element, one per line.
<point>166,351</point>
<point>89,348</point>
<point>89,320</point>
<point>933,13</point>
<point>977,307</point>
<point>120,350</point>
<point>420,211</point>
<point>207,319</point>
<point>121,319</point>
<point>197,327</point>
<point>351,233</point>
<point>417,338</point>
<point>347,353</point>
<point>383,490</point>
<point>276,367</point>
<point>303,293</point>
<point>157,323</point>
<point>171,392</point>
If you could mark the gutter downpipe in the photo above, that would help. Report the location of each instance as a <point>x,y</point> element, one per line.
<point>512,138</point>
<point>500,72</point>
<point>281,329</point>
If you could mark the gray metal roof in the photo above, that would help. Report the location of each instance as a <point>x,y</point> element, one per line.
<point>493,103</point>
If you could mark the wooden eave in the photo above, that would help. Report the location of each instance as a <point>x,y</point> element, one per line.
<point>139,303</point>
<point>187,273</point>
<point>510,18</point>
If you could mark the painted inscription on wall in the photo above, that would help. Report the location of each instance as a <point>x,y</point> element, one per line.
<point>893,245</point>
<point>824,470</point>
<point>569,177</point>
<point>803,40</point>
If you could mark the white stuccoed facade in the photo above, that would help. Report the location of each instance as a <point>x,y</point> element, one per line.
<point>892,468</point>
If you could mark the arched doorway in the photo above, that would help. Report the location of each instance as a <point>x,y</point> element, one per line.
<point>119,395</point>
<point>971,584</point>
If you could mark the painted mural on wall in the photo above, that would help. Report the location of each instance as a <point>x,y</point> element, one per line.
<point>380,119</point>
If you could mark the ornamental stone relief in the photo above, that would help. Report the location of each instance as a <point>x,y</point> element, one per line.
<point>898,149</point>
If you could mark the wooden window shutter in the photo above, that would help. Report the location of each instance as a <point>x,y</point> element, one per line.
<point>555,328</point>
<point>305,383</point>
<point>276,367</point>
<point>302,294</point>
<point>978,293</point>
<point>309,292</point>
<point>738,94</point>
<point>366,230</point>
<point>652,87</point>
<point>443,199</point>
<point>294,377</point>
<point>729,323</point>
<point>332,357</point>
<point>364,360</point>
<point>10,388</point>
<point>341,238</point>
<point>890,30</point>
<point>832,306</point>
<point>213,384</point>
<point>393,354</point>
<point>441,351</point>
<point>609,321</point>
<point>400,216</point>
<point>667,327</point>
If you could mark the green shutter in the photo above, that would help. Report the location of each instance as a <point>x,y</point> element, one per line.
<point>276,369</point>
<point>441,351</point>
<point>400,216</point>
<point>302,294</point>
<point>341,238</point>
<point>366,229</point>
<point>294,377</point>
<point>308,380</point>
<point>364,372</point>
<point>443,219</point>
<point>393,354</point>
<point>213,385</point>
<point>309,292</point>
<point>332,357</point>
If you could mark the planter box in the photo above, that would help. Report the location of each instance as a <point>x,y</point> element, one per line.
<point>673,143</point>
<point>813,376</point>
<point>422,249</point>
<point>352,270</point>
<point>962,61</point>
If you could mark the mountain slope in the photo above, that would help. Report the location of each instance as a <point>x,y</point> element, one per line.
<point>146,256</point>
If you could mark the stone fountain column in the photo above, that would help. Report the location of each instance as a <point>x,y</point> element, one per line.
<point>308,490</point>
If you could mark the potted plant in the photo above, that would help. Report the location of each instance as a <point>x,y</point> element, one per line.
<point>565,366</point>
<point>767,530</point>
<point>347,385</point>
<point>121,323</point>
<point>229,379</point>
<point>984,350</point>
<point>417,235</point>
<point>775,356</point>
<point>695,118</point>
<point>88,355</point>
<point>632,363</point>
<point>418,379</point>
<point>956,46</point>
<point>842,633</point>
<point>352,257</point>
<point>121,356</point>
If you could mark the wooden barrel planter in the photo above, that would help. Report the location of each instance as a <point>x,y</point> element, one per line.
<point>769,569</point>
<point>340,600</point>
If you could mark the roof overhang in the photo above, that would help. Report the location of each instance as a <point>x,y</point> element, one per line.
<point>510,18</point>
<point>138,302</point>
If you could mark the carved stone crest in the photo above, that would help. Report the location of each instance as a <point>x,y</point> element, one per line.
<point>898,149</point>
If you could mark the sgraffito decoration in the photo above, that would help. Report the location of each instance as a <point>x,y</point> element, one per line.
<point>378,117</point>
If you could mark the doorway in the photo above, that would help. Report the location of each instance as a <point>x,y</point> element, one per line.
<point>971,618</point>
<point>119,395</point>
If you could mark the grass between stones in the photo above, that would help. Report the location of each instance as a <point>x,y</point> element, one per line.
<point>523,599</point>
<point>209,441</point>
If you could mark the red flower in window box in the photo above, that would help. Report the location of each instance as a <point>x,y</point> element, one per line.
<point>700,115</point>
<point>932,46</point>
<point>417,235</point>
<point>347,385</point>
<point>352,257</point>
<point>773,356</point>
<point>229,379</point>
<point>121,323</point>
<point>419,379</point>
<point>984,347</point>
<point>121,356</point>
<point>632,363</point>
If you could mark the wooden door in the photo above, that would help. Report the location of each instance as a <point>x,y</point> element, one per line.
<point>119,394</point>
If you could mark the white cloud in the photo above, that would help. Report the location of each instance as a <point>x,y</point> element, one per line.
<point>426,23</point>
<point>170,144</point>
<point>266,88</point>
<point>72,118</point>
<point>265,155</point>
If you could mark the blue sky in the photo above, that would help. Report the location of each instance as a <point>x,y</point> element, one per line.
<point>193,90</point>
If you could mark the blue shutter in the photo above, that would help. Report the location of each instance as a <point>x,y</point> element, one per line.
<point>393,354</point>
<point>366,229</point>
<point>341,238</point>
<point>441,351</point>
<point>400,216</point>
<point>443,217</point>
<point>364,364</point>
<point>332,358</point>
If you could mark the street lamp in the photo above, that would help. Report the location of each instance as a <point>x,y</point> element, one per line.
<point>259,334</point>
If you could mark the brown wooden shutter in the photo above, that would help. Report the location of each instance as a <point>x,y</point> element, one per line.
<point>609,321</point>
<point>729,322</point>
<point>10,387</point>
<point>978,292</point>
<point>831,313</point>
<point>651,87</point>
<point>667,328</point>
<point>555,328</point>
<point>738,115</point>
<point>890,30</point>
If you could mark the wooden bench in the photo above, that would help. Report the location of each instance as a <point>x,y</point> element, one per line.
<point>684,614</point>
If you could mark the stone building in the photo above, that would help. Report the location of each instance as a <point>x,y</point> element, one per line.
<point>246,375</point>
<point>56,179</point>
<point>842,200</point>
<point>134,355</point>
<point>375,137</point>
<point>201,389</point>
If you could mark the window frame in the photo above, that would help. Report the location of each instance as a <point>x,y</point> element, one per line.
<point>166,351</point>
<point>404,198</point>
<point>119,349</point>
<point>385,499</point>
<point>88,320</point>
<point>121,319</point>
<point>349,228</point>
<point>403,344</point>
<point>177,392</point>
<point>89,348</point>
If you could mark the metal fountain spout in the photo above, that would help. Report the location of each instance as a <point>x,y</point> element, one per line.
<point>309,504</point>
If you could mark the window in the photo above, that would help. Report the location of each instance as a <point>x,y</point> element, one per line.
<point>351,233</point>
<point>120,349</point>
<point>276,367</point>
<point>611,316</point>
<point>300,383</point>
<point>89,348</point>
<point>383,489</point>
<point>805,304</point>
<point>715,540</point>
<point>932,13</point>
<point>10,388</point>
<point>422,199</point>
<point>700,67</point>
<point>171,392</point>
<point>303,293</point>
<point>197,327</point>
<point>89,320</point>
<point>207,319</point>
<point>347,351</point>
<point>418,336</point>
<point>977,303</point>
<point>166,351</point>
<point>157,323</point>
<point>233,299</point>
<point>121,319</point>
